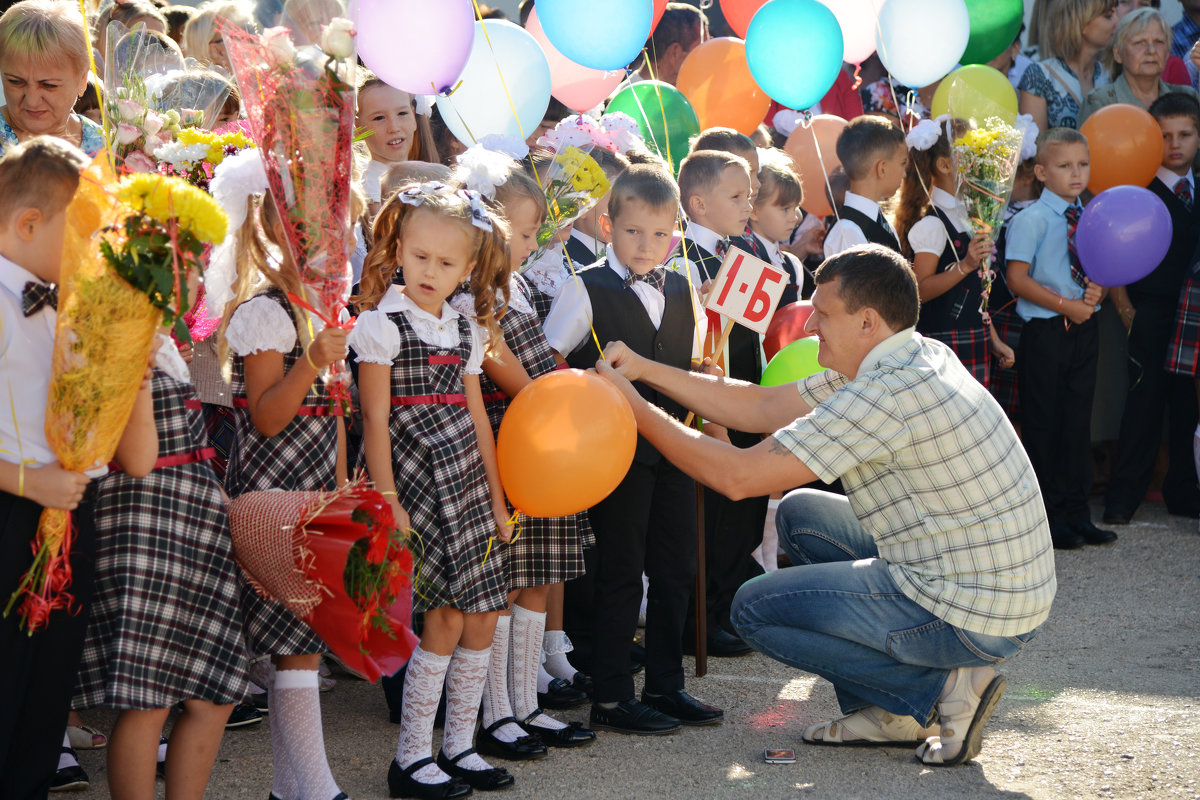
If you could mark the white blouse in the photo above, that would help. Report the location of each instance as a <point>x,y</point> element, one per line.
<point>261,324</point>
<point>376,339</point>
<point>929,235</point>
<point>549,272</point>
<point>167,359</point>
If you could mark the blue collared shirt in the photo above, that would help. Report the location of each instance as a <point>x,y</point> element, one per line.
<point>1038,235</point>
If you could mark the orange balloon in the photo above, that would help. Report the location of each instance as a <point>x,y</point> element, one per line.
<point>814,166</point>
<point>738,13</point>
<point>565,443</point>
<point>715,79</point>
<point>1125,147</point>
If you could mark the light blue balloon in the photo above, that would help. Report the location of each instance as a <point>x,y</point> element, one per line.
<point>608,35</point>
<point>921,41</point>
<point>480,105</point>
<point>794,49</point>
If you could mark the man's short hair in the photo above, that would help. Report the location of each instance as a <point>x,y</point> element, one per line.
<point>681,23</point>
<point>875,277</point>
<point>726,139</point>
<point>650,184</point>
<point>864,141</point>
<point>1176,104</point>
<point>1056,136</point>
<point>41,173</point>
<point>701,171</point>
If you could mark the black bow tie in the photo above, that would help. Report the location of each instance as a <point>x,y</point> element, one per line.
<point>37,295</point>
<point>655,278</point>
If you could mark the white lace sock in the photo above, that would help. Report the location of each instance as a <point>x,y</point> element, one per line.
<point>297,705</point>
<point>523,661</point>
<point>496,704</point>
<point>465,681</point>
<point>283,780</point>
<point>544,677</point>
<point>422,692</point>
<point>67,757</point>
<point>557,645</point>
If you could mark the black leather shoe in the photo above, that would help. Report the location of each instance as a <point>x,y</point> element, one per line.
<point>1065,538</point>
<point>69,779</point>
<point>243,716</point>
<point>574,735</point>
<point>401,783</point>
<point>723,644</point>
<point>632,716</point>
<point>1093,535</point>
<point>685,708</point>
<point>485,780</point>
<point>561,695</point>
<point>526,748</point>
<point>1116,517</point>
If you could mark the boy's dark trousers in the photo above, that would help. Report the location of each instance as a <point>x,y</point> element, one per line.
<point>37,673</point>
<point>648,522</point>
<point>1057,380</point>
<point>1151,391</point>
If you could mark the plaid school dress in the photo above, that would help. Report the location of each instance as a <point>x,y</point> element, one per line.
<point>1183,353</point>
<point>548,550</point>
<point>439,476</point>
<point>953,318</point>
<point>301,457</point>
<point>165,622</point>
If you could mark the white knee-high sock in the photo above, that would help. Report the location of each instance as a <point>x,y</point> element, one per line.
<point>422,692</point>
<point>525,657</point>
<point>496,704</point>
<point>297,705</point>
<point>465,682</point>
<point>283,781</point>
<point>557,645</point>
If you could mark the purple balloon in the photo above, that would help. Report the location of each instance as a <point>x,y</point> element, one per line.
<point>1123,234</point>
<point>417,46</point>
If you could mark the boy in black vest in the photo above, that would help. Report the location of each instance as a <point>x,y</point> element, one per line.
<point>1147,309</point>
<point>728,140</point>
<point>716,188</point>
<point>648,523</point>
<point>873,153</point>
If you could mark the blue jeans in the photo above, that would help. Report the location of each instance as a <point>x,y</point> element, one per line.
<point>838,613</point>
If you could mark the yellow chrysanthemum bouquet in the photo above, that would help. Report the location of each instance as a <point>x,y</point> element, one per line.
<point>574,183</point>
<point>128,247</point>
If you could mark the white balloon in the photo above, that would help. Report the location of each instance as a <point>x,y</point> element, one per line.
<point>921,41</point>
<point>480,105</point>
<point>857,20</point>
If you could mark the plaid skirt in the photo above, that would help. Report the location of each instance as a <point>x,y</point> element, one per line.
<point>1183,353</point>
<point>1008,324</point>
<point>165,624</point>
<point>973,348</point>
<point>440,479</point>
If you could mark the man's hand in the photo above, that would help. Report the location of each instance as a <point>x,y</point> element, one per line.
<point>626,362</point>
<point>606,370</point>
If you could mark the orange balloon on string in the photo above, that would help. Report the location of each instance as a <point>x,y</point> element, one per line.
<point>1125,146</point>
<point>565,443</point>
<point>716,79</point>
<point>814,166</point>
<point>738,13</point>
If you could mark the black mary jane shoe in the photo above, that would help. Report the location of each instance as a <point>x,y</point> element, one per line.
<point>526,748</point>
<point>401,783</point>
<point>574,735</point>
<point>562,695</point>
<point>485,780</point>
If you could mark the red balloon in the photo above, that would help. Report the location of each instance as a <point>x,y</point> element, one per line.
<point>786,327</point>
<point>659,7</point>
<point>738,14</point>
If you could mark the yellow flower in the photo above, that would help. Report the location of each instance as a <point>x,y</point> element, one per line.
<point>216,143</point>
<point>166,198</point>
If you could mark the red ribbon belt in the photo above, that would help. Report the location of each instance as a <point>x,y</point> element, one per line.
<point>177,460</point>
<point>192,403</point>
<point>430,399</point>
<point>451,359</point>
<point>302,411</point>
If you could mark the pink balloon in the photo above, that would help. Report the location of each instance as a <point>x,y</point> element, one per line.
<point>857,20</point>
<point>577,87</point>
<point>417,46</point>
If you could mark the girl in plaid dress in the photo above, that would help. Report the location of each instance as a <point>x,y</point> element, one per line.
<point>548,551</point>
<point>428,446</point>
<point>165,626</point>
<point>936,234</point>
<point>289,436</point>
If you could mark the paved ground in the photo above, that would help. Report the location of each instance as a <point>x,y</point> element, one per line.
<point>1105,702</point>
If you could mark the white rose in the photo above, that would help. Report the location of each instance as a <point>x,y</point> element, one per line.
<point>128,134</point>
<point>279,45</point>
<point>337,38</point>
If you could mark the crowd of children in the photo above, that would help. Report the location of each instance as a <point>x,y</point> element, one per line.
<point>458,309</point>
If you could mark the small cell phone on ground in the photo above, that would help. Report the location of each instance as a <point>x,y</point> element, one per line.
<point>779,756</point>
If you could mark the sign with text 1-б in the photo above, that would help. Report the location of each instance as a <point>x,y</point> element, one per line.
<point>746,290</point>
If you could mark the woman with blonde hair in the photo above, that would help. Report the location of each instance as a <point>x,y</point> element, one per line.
<point>202,38</point>
<point>1075,35</point>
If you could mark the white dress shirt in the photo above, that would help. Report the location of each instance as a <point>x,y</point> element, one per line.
<point>928,234</point>
<point>1171,179</point>
<point>845,234</point>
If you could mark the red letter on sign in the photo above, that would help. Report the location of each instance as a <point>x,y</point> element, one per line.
<point>760,302</point>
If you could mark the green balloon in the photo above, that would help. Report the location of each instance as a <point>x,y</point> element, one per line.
<point>664,116</point>
<point>793,363</point>
<point>994,26</point>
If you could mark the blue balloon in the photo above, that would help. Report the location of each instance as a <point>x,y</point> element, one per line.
<point>608,37</point>
<point>794,49</point>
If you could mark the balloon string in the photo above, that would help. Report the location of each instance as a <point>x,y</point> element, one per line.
<point>808,123</point>
<point>104,123</point>
<point>583,293</point>
<point>503,83</point>
<point>661,107</point>
<point>857,77</point>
